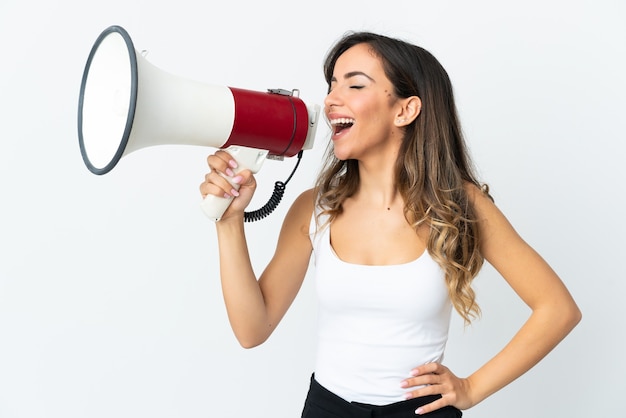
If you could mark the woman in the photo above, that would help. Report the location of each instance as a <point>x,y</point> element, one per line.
<point>398,227</point>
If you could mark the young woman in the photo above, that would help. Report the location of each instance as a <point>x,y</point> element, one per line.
<point>398,226</point>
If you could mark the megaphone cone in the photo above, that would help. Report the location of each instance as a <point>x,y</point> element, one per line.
<point>127,104</point>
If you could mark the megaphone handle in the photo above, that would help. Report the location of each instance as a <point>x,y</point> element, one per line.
<point>247,159</point>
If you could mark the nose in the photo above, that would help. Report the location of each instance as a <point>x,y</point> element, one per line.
<point>332,99</point>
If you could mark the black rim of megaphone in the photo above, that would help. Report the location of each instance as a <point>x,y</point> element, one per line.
<point>131,108</point>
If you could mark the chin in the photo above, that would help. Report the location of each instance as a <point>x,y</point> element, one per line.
<point>342,156</point>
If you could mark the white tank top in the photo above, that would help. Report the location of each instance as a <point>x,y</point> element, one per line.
<point>376,323</point>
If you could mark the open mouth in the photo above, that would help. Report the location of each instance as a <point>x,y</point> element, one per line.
<point>341,124</point>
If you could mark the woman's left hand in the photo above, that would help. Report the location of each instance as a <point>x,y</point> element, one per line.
<point>436,379</point>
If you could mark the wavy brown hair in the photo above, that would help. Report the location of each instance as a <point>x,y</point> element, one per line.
<point>433,168</point>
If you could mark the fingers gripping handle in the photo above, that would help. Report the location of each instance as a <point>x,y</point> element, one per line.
<point>247,158</point>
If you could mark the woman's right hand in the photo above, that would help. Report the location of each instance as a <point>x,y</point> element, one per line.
<point>222,164</point>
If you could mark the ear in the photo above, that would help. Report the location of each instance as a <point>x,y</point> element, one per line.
<point>408,110</point>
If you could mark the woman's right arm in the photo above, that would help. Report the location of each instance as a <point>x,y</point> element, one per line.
<point>254,306</point>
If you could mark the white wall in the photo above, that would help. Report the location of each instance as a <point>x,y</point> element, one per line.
<point>110,304</point>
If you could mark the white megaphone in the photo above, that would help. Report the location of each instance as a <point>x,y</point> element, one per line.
<point>126,104</point>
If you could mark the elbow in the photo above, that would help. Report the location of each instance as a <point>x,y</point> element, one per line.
<point>248,344</point>
<point>576,315</point>
<point>250,334</point>
<point>571,316</point>
<point>562,317</point>
<point>250,341</point>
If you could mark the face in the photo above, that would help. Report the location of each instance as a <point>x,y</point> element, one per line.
<point>362,108</point>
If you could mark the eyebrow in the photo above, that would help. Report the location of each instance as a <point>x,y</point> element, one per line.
<point>353,74</point>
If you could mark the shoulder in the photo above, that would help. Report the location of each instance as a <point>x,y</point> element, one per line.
<point>307,197</point>
<point>481,201</point>
<point>299,215</point>
<point>496,231</point>
<point>304,203</point>
<point>478,195</point>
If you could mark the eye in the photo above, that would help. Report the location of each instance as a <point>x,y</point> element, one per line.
<point>357,87</point>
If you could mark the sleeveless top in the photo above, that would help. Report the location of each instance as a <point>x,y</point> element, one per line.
<point>376,322</point>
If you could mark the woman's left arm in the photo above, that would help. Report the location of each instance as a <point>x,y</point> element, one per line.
<point>554,315</point>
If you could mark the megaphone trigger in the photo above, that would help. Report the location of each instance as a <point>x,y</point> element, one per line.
<point>247,159</point>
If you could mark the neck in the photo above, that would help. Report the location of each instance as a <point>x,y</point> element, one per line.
<point>377,185</point>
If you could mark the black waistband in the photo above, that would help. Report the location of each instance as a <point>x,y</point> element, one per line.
<point>325,399</point>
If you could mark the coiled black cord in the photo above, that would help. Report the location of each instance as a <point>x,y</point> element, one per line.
<point>272,203</point>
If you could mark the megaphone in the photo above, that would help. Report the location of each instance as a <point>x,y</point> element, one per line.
<point>126,104</point>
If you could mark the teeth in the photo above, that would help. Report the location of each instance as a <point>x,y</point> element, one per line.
<point>342,121</point>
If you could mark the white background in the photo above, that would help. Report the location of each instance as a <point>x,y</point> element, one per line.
<point>110,304</point>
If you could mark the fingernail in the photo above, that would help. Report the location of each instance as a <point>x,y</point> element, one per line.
<point>232,163</point>
<point>415,372</point>
<point>407,396</point>
<point>227,196</point>
<point>234,192</point>
<point>229,172</point>
<point>237,179</point>
<point>404,384</point>
<point>419,411</point>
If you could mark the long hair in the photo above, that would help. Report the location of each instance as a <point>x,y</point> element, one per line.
<point>433,168</point>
